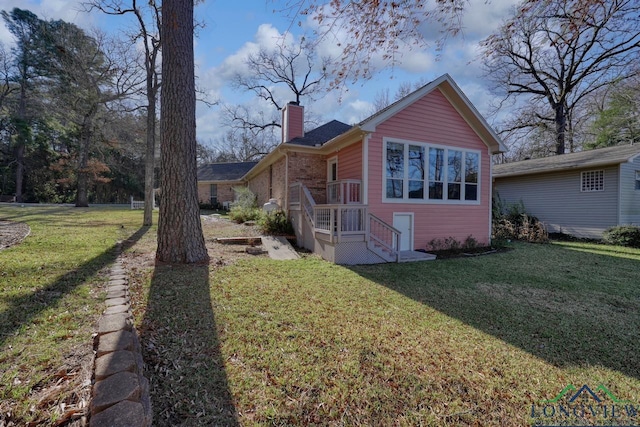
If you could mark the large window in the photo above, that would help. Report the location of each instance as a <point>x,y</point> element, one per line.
<point>418,171</point>
<point>592,181</point>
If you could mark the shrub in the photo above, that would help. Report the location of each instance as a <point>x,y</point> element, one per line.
<point>511,222</point>
<point>452,245</point>
<point>240,214</point>
<point>624,235</point>
<point>245,206</point>
<point>244,198</point>
<point>275,223</point>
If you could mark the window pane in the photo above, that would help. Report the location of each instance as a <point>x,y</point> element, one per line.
<point>416,189</point>
<point>395,160</point>
<point>471,168</point>
<point>436,160</point>
<point>435,190</point>
<point>471,191</point>
<point>454,192</point>
<point>416,162</point>
<point>394,189</point>
<point>637,180</point>
<point>455,166</point>
<point>592,181</point>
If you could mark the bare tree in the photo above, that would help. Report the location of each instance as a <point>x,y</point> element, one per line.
<point>180,238</point>
<point>148,19</point>
<point>295,67</point>
<point>553,54</point>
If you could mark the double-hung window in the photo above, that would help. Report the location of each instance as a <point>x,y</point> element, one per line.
<point>424,172</point>
<point>637,180</point>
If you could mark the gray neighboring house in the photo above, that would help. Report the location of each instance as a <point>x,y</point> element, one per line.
<point>581,194</point>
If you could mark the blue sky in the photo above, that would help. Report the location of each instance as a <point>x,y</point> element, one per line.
<point>235,28</point>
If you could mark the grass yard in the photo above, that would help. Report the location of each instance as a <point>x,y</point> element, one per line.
<point>250,341</point>
<point>50,299</point>
<point>467,341</point>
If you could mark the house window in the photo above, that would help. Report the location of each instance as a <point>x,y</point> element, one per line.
<point>592,181</point>
<point>417,171</point>
<point>637,180</point>
<point>213,193</point>
<point>395,170</point>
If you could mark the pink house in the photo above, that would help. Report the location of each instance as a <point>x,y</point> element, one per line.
<point>379,190</point>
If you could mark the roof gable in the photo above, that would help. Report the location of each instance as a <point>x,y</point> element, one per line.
<point>581,160</point>
<point>456,98</point>
<point>224,171</point>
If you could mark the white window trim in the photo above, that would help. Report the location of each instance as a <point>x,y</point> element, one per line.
<point>426,201</point>
<point>582,177</point>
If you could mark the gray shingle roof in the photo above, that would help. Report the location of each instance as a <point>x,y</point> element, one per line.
<point>321,134</point>
<point>584,159</point>
<point>224,171</point>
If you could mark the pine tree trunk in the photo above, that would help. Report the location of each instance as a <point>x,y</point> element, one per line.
<point>21,140</point>
<point>180,238</point>
<point>82,188</point>
<point>149,161</point>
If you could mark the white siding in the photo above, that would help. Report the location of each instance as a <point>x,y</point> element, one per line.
<point>629,196</point>
<point>556,199</point>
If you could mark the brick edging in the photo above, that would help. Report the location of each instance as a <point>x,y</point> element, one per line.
<point>120,393</point>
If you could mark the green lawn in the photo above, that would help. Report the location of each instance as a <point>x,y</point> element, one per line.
<point>50,298</point>
<point>251,341</point>
<point>468,341</point>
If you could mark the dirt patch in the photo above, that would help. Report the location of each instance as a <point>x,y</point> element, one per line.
<point>12,233</point>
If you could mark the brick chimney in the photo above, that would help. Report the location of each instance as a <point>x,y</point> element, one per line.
<point>292,121</point>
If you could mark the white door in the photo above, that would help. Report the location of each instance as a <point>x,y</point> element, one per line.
<point>404,223</point>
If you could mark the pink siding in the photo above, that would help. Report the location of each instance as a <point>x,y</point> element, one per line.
<point>431,120</point>
<point>350,162</point>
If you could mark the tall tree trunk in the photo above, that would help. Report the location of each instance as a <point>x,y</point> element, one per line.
<point>86,133</point>
<point>82,188</point>
<point>180,238</point>
<point>149,160</point>
<point>561,127</point>
<point>19,171</point>
<point>21,140</point>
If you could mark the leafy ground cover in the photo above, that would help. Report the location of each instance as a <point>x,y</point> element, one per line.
<point>50,299</point>
<point>467,341</point>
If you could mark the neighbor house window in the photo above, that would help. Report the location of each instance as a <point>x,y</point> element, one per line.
<point>637,180</point>
<point>592,181</point>
<point>417,171</point>
<point>213,191</point>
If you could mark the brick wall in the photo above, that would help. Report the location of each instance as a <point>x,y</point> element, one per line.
<point>311,170</point>
<point>260,186</point>
<point>225,192</point>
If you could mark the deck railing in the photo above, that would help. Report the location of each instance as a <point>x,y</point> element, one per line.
<point>295,191</point>
<point>340,220</point>
<point>384,237</point>
<point>308,205</point>
<point>345,191</point>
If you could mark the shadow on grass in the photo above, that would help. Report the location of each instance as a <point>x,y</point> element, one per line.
<point>566,307</point>
<point>23,309</point>
<point>181,349</point>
